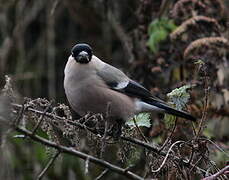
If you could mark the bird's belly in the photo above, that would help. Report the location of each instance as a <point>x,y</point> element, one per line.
<point>89,98</point>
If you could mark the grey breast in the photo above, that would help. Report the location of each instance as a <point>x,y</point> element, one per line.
<point>86,92</point>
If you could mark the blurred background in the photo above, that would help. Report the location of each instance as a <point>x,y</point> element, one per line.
<point>162,44</point>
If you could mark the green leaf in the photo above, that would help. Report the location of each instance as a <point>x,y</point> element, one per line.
<point>179,96</point>
<point>158,31</point>
<point>155,39</point>
<point>142,119</point>
<point>135,154</point>
<point>169,120</point>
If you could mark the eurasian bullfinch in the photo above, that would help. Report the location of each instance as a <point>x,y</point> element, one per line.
<point>91,84</point>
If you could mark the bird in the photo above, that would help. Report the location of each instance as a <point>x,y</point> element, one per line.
<point>91,85</point>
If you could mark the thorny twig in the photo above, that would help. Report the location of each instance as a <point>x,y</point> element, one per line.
<point>51,161</point>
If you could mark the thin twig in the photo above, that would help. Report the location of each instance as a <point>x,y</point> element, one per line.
<point>129,167</point>
<point>87,165</point>
<point>204,115</point>
<point>214,176</point>
<point>20,114</point>
<point>51,161</point>
<point>196,164</point>
<point>179,169</point>
<point>54,7</point>
<point>167,155</point>
<point>41,118</point>
<point>213,164</point>
<point>193,128</point>
<point>79,154</point>
<point>103,139</point>
<point>102,174</point>
<point>219,148</point>
<point>139,130</point>
<point>170,136</point>
<point>50,115</point>
<point>163,7</point>
<point>192,155</point>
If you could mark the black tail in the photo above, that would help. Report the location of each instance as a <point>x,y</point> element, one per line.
<point>170,110</point>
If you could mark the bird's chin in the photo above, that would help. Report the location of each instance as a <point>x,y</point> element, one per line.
<point>83,61</point>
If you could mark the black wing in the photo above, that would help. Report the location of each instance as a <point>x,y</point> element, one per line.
<point>132,88</point>
<point>118,81</point>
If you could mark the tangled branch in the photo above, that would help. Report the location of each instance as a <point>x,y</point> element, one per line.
<point>55,118</point>
<point>47,118</point>
<point>225,170</point>
<point>72,151</point>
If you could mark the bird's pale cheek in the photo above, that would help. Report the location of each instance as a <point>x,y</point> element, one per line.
<point>71,58</point>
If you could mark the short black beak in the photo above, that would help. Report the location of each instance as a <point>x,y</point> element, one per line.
<point>83,57</point>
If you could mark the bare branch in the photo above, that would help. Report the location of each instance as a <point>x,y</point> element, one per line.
<point>79,154</point>
<point>128,139</point>
<point>214,176</point>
